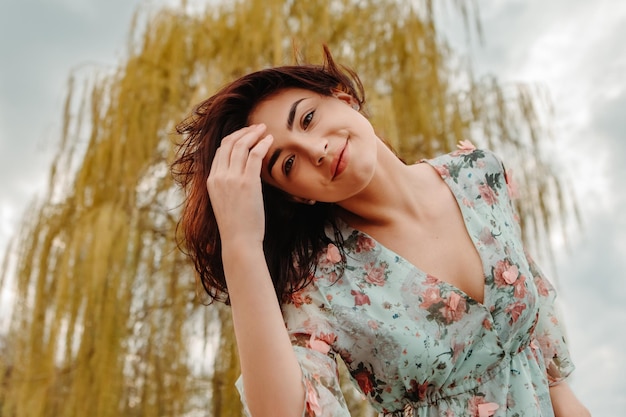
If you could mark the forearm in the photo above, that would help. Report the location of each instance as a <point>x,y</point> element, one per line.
<point>565,403</point>
<point>271,373</point>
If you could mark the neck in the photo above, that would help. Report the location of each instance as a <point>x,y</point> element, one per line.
<point>392,194</point>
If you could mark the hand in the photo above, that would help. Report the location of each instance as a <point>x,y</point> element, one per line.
<point>234,185</point>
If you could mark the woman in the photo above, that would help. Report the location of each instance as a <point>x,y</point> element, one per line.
<point>325,244</point>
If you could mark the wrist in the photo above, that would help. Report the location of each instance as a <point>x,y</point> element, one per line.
<point>234,246</point>
<point>242,258</point>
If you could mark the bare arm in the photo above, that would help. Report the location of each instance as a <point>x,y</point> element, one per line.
<point>272,377</point>
<point>565,403</point>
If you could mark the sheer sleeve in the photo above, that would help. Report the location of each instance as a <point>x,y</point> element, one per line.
<point>312,335</point>
<point>323,395</point>
<point>550,331</point>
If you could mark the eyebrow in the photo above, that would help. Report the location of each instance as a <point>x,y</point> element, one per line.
<point>292,113</point>
<point>276,153</point>
<point>273,160</point>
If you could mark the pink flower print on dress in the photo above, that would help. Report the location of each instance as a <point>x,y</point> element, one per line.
<point>487,237</point>
<point>312,401</point>
<point>332,254</point>
<point>515,310</point>
<point>548,347</point>
<point>364,378</point>
<point>329,338</point>
<point>298,298</point>
<point>454,301</point>
<point>542,287</point>
<point>431,280</point>
<point>360,298</point>
<point>510,274</point>
<point>319,345</point>
<point>534,344</point>
<point>417,392</point>
<point>465,145</point>
<point>487,194</point>
<point>375,275</point>
<point>504,273</point>
<point>487,324</point>
<point>467,203</point>
<point>454,308</point>
<point>442,170</point>
<point>520,287</point>
<point>333,277</point>
<point>430,297</point>
<point>364,244</point>
<point>487,409</point>
<point>477,407</point>
<point>457,349</point>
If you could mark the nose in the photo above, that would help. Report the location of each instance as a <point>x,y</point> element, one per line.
<point>321,157</point>
<point>316,149</point>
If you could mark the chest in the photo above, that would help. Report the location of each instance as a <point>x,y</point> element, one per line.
<point>439,246</point>
<point>450,257</point>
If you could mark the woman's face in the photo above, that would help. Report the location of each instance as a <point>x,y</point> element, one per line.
<point>323,148</point>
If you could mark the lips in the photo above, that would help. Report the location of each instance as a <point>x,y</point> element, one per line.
<point>340,161</point>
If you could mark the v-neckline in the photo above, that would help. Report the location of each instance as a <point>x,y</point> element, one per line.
<point>423,272</point>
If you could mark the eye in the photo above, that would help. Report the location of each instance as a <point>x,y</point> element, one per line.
<point>288,164</point>
<point>306,120</point>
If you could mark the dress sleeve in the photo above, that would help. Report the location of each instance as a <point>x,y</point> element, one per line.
<point>312,336</point>
<point>549,331</point>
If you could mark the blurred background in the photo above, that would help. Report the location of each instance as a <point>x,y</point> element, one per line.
<point>98,310</point>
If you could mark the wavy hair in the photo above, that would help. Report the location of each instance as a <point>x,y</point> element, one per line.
<point>294,233</point>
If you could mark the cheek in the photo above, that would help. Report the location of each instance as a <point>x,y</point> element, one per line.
<point>270,183</point>
<point>364,175</point>
<point>363,168</point>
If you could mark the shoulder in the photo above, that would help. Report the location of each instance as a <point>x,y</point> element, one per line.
<point>469,165</point>
<point>467,159</point>
<point>473,171</point>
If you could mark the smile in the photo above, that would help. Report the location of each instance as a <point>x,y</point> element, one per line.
<point>340,162</point>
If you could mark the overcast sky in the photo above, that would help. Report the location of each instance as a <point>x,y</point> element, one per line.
<point>574,48</point>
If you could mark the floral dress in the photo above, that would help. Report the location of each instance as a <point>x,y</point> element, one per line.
<point>418,346</point>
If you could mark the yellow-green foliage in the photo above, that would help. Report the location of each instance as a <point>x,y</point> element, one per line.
<point>105,322</point>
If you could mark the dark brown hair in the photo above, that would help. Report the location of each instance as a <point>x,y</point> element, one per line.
<point>294,233</point>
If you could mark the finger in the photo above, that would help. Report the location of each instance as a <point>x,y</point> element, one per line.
<point>215,164</point>
<point>238,133</point>
<point>229,140</point>
<point>242,139</point>
<point>221,159</point>
<point>256,155</point>
<point>241,147</point>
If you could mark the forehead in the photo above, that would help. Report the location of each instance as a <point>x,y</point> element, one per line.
<point>274,112</point>
<point>278,104</point>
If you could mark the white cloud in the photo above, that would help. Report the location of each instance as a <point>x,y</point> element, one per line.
<point>78,7</point>
<point>40,43</point>
<point>577,50</point>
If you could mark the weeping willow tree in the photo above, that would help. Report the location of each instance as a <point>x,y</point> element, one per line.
<point>107,320</point>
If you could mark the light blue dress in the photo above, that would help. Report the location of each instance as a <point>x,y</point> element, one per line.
<point>418,346</point>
